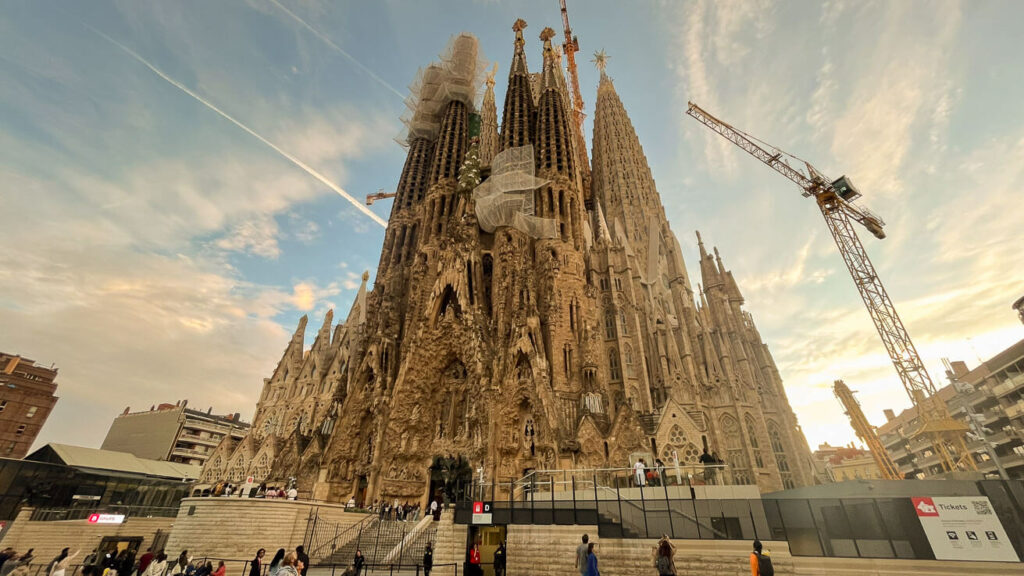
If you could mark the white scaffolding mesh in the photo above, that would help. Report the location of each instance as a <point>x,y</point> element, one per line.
<point>457,76</point>
<point>506,197</point>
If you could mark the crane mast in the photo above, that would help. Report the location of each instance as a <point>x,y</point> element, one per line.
<point>835,200</point>
<point>570,47</point>
<point>865,431</point>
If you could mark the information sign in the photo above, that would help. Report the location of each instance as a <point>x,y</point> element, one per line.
<point>964,528</point>
<point>106,519</point>
<point>481,512</point>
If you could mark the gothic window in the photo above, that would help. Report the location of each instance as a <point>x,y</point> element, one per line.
<point>604,283</point>
<point>613,365</point>
<point>629,362</point>
<point>734,450</point>
<point>618,284</point>
<point>449,301</point>
<point>609,325</point>
<point>622,323</point>
<point>754,446</point>
<point>779,449</point>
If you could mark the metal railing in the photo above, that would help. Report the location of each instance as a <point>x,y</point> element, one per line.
<point>586,478</point>
<point>56,514</point>
<point>323,537</point>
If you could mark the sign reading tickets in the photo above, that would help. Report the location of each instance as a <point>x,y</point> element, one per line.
<point>964,528</point>
<point>481,512</point>
<point>106,518</point>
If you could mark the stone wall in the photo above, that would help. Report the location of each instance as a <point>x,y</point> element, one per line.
<point>48,538</point>
<point>235,528</point>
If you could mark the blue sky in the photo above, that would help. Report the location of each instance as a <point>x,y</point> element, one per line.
<point>154,250</point>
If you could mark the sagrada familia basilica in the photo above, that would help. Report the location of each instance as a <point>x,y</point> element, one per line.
<point>531,311</point>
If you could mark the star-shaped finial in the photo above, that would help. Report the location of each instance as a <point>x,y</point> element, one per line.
<point>491,75</point>
<point>518,25</point>
<point>600,59</point>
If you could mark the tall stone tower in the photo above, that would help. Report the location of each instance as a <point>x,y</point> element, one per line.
<point>511,326</point>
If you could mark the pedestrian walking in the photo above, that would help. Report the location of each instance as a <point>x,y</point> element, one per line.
<point>499,560</point>
<point>428,559</point>
<point>760,561</point>
<point>591,561</point>
<point>256,565</point>
<point>300,552</point>
<point>581,555</point>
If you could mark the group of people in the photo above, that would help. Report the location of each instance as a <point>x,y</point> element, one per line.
<point>664,556</point>
<point>227,489</point>
<point>473,567</point>
<point>644,476</point>
<point>284,563</point>
<point>397,511</point>
<point>11,562</point>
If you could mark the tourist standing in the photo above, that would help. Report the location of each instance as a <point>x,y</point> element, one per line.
<point>10,563</point>
<point>581,555</point>
<point>157,566</point>
<point>499,560</point>
<point>435,510</point>
<point>275,564</point>
<point>664,562</point>
<point>358,561</point>
<point>293,494</point>
<point>591,561</point>
<point>300,552</point>
<point>256,566</point>
<point>659,470</point>
<point>639,474</point>
<point>289,565</point>
<point>60,564</point>
<point>474,560</point>
<point>221,569</point>
<point>144,561</point>
<point>428,559</point>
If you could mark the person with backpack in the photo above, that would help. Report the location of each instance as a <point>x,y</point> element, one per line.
<point>761,562</point>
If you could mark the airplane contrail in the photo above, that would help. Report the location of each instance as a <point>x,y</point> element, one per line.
<point>337,48</point>
<point>309,170</point>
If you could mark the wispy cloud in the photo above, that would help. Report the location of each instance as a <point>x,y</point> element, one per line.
<point>326,40</point>
<point>308,169</point>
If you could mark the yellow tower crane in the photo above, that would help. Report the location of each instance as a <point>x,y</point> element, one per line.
<point>835,200</point>
<point>865,431</point>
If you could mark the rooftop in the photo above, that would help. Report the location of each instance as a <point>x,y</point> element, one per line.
<point>94,459</point>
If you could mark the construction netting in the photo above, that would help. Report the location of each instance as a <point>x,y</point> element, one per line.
<point>457,76</point>
<point>506,197</point>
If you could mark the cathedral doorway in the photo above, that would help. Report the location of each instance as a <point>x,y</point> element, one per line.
<point>451,478</point>
<point>488,537</point>
<point>361,484</point>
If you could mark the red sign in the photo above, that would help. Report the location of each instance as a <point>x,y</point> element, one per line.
<point>925,507</point>
<point>95,518</point>
<point>478,507</point>
<point>106,518</point>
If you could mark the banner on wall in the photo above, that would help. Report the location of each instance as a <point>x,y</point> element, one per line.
<point>964,528</point>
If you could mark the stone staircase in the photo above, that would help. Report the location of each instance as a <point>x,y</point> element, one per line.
<point>385,542</point>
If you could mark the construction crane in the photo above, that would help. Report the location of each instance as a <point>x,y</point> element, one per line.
<point>865,431</point>
<point>835,200</point>
<point>570,47</point>
<point>378,195</point>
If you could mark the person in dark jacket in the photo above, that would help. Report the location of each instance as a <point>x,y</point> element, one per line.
<point>499,560</point>
<point>300,553</point>
<point>428,559</point>
<point>256,566</point>
<point>358,561</point>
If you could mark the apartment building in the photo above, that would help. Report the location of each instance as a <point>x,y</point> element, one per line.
<point>26,399</point>
<point>172,432</point>
<point>992,395</point>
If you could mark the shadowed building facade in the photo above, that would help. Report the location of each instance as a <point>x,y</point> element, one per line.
<point>513,325</point>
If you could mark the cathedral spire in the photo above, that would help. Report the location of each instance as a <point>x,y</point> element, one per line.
<point>553,136</point>
<point>518,112</point>
<point>489,121</point>
<point>708,270</point>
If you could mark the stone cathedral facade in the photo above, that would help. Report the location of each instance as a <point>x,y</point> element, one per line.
<point>575,343</point>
